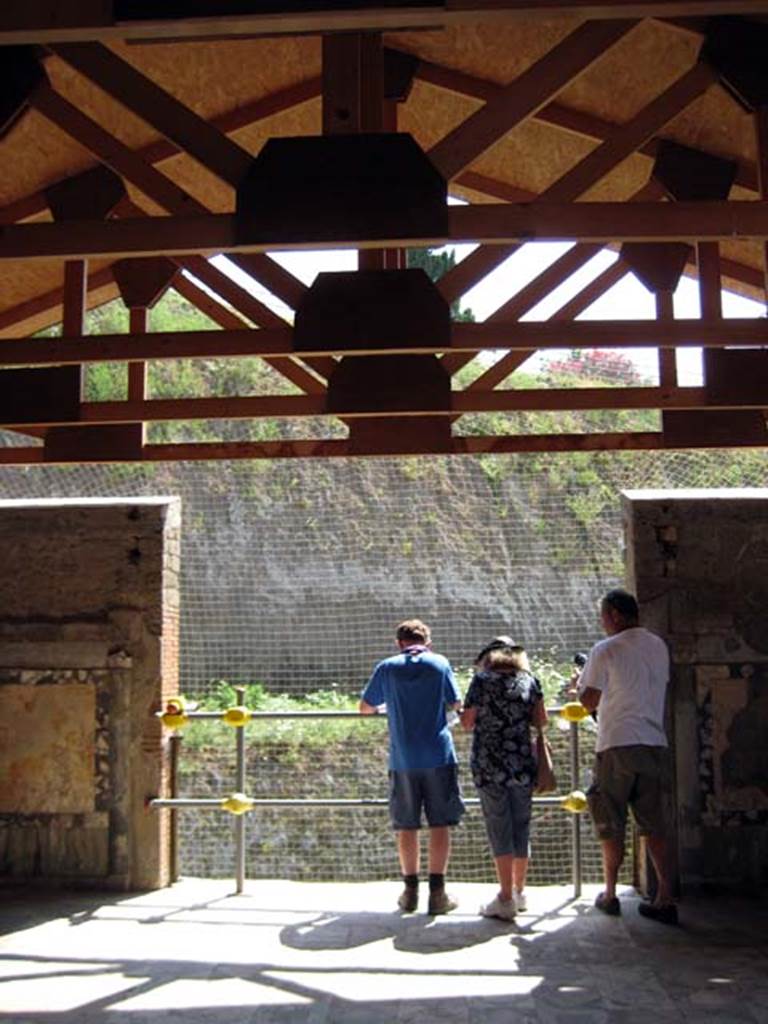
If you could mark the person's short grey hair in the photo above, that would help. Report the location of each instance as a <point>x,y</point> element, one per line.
<point>623,602</point>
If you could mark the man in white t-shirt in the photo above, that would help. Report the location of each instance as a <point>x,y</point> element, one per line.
<point>626,676</point>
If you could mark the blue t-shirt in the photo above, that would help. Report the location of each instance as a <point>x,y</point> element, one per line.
<point>416,685</point>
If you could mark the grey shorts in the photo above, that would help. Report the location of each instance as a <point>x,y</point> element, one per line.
<point>637,777</point>
<point>435,791</point>
<point>507,813</point>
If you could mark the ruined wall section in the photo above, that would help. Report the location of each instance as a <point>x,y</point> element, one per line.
<point>699,563</point>
<point>88,650</point>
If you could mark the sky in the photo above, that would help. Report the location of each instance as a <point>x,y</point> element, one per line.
<point>627,300</point>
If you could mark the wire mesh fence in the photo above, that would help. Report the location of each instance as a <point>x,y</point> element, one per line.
<point>294,575</point>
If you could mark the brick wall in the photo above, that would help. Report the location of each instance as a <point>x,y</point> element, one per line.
<point>88,650</point>
<point>698,561</point>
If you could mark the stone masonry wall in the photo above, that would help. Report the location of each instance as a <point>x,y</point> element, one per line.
<point>699,565</point>
<point>88,650</point>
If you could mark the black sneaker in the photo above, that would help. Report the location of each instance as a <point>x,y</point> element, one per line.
<point>408,900</point>
<point>666,914</point>
<point>608,905</point>
<point>440,902</point>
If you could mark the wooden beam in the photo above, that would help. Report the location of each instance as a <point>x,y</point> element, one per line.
<point>761,139</point>
<point>285,284</point>
<point>74,303</point>
<point>665,311</point>
<point>137,369</point>
<point>353,83</point>
<point>605,222</point>
<point>596,288</point>
<point>710,291</point>
<point>331,448</point>
<point>73,298</point>
<point>192,133</point>
<point>175,200</point>
<point>514,103</point>
<point>207,304</point>
<point>528,296</point>
<point>277,343</point>
<point>584,399</point>
<point>255,310</point>
<point>24,209</point>
<point>52,21</point>
<point>162,149</point>
<point>247,304</point>
<point>537,289</point>
<point>502,368</point>
<point>732,269</point>
<point>611,9</point>
<point>353,98</point>
<point>274,277</point>
<point>555,114</point>
<point>111,151</point>
<point>489,224</point>
<point>462,402</point>
<point>229,290</point>
<point>132,166</point>
<point>48,301</point>
<point>590,170</point>
<point>164,192</point>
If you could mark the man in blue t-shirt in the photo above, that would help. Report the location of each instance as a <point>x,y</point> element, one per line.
<point>418,689</point>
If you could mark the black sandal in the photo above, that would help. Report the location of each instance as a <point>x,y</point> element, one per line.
<point>608,905</point>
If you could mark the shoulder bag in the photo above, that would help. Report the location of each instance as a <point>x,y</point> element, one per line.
<point>546,781</point>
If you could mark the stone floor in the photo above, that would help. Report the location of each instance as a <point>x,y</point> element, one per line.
<point>338,954</point>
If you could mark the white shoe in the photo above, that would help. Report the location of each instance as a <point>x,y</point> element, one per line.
<point>505,910</point>
<point>521,902</point>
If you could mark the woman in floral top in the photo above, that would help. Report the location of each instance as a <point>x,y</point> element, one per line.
<point>503,704</point>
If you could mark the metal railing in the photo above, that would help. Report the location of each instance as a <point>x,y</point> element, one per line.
<point>238,804</point>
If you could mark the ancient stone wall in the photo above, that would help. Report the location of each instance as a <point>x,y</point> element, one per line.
<point>88,650</point>
<point>699,565</point>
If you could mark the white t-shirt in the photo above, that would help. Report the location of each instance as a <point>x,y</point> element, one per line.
<point>631,671</point>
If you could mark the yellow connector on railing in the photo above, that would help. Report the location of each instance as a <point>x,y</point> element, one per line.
<point>237,803</point>
<point>237,717</point>
<point>575,802</point>
<point>573,711</point>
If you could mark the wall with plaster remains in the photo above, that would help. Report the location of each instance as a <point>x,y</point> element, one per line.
<point>89,617</point>
<point>699,564</point>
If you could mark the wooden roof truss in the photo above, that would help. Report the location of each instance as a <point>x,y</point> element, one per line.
<point>375,351</point>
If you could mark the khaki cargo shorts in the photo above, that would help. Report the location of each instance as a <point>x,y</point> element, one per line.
<point>636,777</point>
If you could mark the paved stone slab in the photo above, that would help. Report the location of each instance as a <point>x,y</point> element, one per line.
<point>339,954</point>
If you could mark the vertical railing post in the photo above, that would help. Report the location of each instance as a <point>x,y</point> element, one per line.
<point>576,818</point>
<point>240,787</point>
<point>175,748</point>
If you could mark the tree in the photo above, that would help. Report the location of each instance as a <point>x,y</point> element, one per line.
<point>435,263</point>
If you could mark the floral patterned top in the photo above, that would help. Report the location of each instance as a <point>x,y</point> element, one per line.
<point>502,752</point>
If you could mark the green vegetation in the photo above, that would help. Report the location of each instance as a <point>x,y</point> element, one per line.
<point>286,732</point>
<point>435,263</point>
<point>290,733</point>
